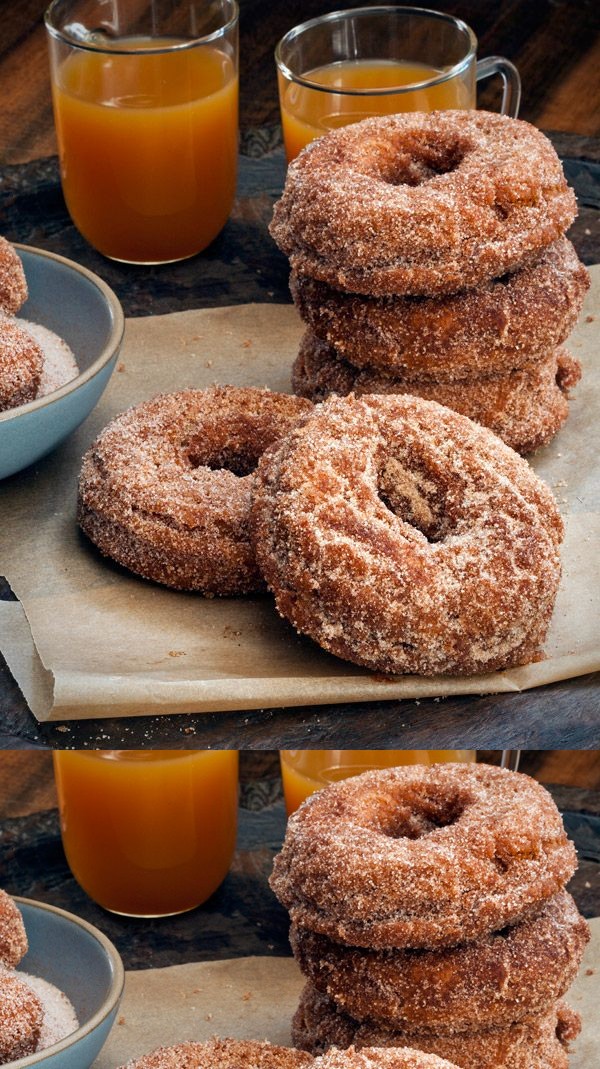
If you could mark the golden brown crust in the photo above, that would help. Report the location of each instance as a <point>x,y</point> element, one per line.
<point>525,407</point>
<point>401,536</point>
<point>422,203</point>
<point>502,325</point>
<point>21,362</point>
<point>536,1044</point>
<point>422,856</point>
<point>21,1016</point>
<point>165,488</point>
<point>13,938</point>
<point>497,980</point>
<point>13,285</point>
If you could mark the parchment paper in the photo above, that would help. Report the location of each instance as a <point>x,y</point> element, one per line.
<point>90,640</point>
<point>255,998</point>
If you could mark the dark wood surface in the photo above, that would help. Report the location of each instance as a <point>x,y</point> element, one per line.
<point>555,44</point>
<point>557,49</point>
<point>242,917</point>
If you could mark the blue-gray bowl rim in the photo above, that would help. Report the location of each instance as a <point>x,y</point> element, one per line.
<point>110,1002</point>
<point>110,349</point>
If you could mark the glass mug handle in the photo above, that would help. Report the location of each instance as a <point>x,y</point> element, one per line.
<point>511,81</point>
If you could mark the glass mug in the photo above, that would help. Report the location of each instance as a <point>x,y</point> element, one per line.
<point>305,771</point>
<point>148,833</point>
<point>350,65</point>
<point>146,113</point>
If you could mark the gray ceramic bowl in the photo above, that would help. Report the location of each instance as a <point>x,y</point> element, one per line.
<point>82,309</point>
<point>78,959</point>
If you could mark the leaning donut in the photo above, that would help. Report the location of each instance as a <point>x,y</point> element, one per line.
<point>422,856</point>
<point>507,323</point>
<point>13,938</point>
<point>422,203</point>
<point>21,363</point>
<point>494,981</point>
<point>525,407</point>
<point>165,488</point>
<point>541,1043</point>
<point>401,536</point>
<point>21,1017</point>
<point>13,285</point>
<point>225,1053</point>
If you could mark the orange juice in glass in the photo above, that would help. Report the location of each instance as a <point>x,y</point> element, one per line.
<point>146,113</point>
<point>350,65</point>
<point>305,771</point>
<point>148,833</point>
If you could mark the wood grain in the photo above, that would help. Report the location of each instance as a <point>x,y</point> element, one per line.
<point>554,43</point>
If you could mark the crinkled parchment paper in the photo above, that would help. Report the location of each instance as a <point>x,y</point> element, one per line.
<point>255,998</point>
<point>87,639</point>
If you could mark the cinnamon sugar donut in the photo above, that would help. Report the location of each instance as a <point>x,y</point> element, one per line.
<point>13,938</point>
<point>21,362</point>
<point>401,536</point>
<point>165,489</point>
<point>503,324</point>
<point>21,1017</point>
<point>248,1054</point>
<point>541,1043</point>
<point>422,204</point>
<point>224,1053</point>
<point>499,979</point>
<point>422,856</point>
<point>13,285</point>
<point>525,407</point>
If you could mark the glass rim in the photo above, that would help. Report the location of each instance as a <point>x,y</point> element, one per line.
<point>383,9</point>
<point>181,46</point>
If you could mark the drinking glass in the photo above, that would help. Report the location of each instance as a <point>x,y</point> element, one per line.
<point>305,771</point>
<point>349,65</point>
<point>146,111</point>
<point>148,833</point>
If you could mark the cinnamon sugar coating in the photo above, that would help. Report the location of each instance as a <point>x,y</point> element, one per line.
<point>165,489</point>
<point>403,537</point>
<point>13,938</point>
<point>372,1057</point>
<point>422,204</point>
<point>248,1054</point>
<point>499,979</point>
<point>541,1043</point>
<point>21,1017</point>
<point>13,285</point>
<point>225,1054</point>
<point>501,325</point>
<point>21,362</point>
<point>525,407</point>
<point>422,856</point>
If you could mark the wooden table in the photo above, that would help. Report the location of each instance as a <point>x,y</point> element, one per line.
<point>558,53</point>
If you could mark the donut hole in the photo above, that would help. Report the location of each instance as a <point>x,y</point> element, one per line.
<point>421,818</point>
<point>240,461</point>
<point>406,488</point>
<point>413,164</point>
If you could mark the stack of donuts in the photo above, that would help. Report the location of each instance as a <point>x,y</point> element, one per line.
<point>428,911</point>
<point>428,257</point>
<point>21,1012</point>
